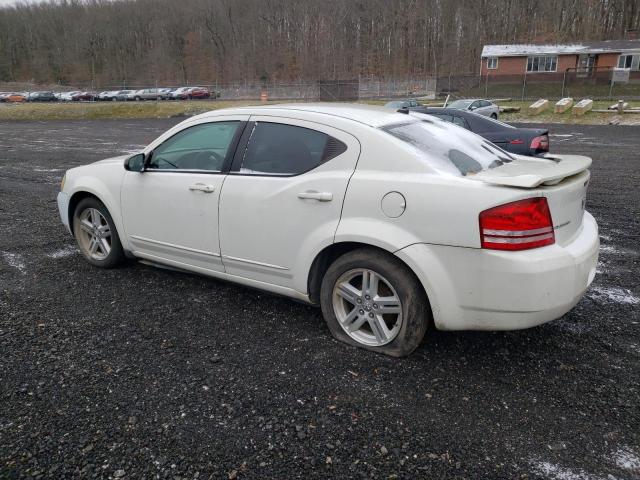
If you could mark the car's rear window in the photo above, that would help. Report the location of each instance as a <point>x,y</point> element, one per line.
<point>449,148</point>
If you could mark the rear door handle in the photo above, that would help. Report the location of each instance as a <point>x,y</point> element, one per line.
<point>201,187</point>
<point>313,195</point>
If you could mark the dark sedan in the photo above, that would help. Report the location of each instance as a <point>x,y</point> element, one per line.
<point>41,97</point>
<point>522,141</point>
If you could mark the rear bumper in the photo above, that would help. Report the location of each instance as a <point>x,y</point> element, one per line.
<point>475,289</point>
<point>63,209</point>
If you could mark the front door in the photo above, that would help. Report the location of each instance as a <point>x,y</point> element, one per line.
<point>170,211</point>
<point>283,198</point>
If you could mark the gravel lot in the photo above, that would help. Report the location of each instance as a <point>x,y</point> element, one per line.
<point>141,372</point>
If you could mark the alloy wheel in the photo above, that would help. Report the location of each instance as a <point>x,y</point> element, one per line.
<point>367,307</point>
<point>94,234</point>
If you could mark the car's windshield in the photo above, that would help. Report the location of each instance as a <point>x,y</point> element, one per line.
<point>460,104</point>
<point>448,148</point>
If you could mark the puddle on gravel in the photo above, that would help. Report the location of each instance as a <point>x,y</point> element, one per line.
<point>557,472</point>
<point>63,252</point>
<point>627,459</point>
<point>14,260</point>
<point>613,295</point>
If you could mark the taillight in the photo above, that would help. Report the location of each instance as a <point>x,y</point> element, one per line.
<point>540,143</point>
<point>517,225</point>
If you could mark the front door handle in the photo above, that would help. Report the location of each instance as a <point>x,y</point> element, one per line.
<point>313,195</point>
<point>201,187</point>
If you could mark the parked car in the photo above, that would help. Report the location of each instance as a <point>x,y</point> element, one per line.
<point>198,93</point>
<point>119,95</point>
<point>348,207</point>
<point>402,104</point>
<point>42,97</point>
<point>15,98</point>
<point>479,106</point>
<point>181,93</point>
<point>83,96</point>
<point>107,96</point>
<point>68,96</point>
<point>149,94</point>
<point>523,141</point>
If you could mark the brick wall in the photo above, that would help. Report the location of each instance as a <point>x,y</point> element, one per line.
<point>518,65</point>
<point>607,60</point>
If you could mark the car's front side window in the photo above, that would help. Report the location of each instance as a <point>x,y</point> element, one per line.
<point>201,147</point>
<point>286,150</point>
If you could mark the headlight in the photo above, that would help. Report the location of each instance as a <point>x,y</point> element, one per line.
<point>64,178</point>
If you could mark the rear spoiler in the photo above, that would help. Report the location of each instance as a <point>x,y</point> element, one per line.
<point>531,172</point>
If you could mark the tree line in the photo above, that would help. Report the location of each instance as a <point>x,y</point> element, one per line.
<point>106,42</point>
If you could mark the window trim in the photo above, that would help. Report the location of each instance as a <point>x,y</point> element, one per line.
<point>632,55</point>
<point>531,57</point>
<point>489,67</point>
<point>226,164</point>
<point>244,143</point>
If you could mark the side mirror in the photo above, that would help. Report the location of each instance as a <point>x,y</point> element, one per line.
<point>471,107</point>
<point>135,163</point>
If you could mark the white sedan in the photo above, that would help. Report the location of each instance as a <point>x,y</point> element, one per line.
<point>390,221</point>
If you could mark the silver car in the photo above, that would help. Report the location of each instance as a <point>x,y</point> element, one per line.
<point>148,94</point>
<point>476,105</point>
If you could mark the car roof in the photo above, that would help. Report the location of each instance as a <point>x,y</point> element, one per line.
<point>372,115</point>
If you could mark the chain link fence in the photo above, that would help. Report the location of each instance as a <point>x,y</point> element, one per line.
<point>594,82</point>
<point>323,90</point>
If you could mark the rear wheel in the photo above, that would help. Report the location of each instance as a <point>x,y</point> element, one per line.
<point>494,116</point>
<point>371,300</point>
<point>96,234</point>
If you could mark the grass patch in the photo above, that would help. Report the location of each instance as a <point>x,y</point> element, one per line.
<point>548,116</point>
<point>116,110</point>
<point>167,109</point>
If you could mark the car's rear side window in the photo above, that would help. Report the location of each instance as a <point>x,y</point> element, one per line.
<point>286,150</point>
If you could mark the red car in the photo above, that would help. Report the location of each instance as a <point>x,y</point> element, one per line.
<point>198,93</point>
<point>83,96</point>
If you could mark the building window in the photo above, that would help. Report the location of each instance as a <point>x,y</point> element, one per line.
<point>542,64</point>
<point>492,63</point>
<point>629,61</point>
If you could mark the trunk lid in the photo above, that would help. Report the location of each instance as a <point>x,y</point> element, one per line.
<point>562,179</point>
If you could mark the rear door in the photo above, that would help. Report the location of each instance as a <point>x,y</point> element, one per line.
<point>283,197</point>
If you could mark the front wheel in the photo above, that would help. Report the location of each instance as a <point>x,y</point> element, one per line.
<point>96,234</point>
<point>494,116</point>
<point>370,299</point>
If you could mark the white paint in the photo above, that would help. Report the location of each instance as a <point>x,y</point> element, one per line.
<point>63,252</point>
<point>293,230</point>
<point>561,135</point>
<point>627,459</point>
<point>46,169</point>
<point>14,260</point>
<point>613,294</point>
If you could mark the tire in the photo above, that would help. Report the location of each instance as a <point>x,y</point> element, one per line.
<point>401,289</point>
<point>494,116</point>
<point>96,252</point>
<point>137,99</point>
